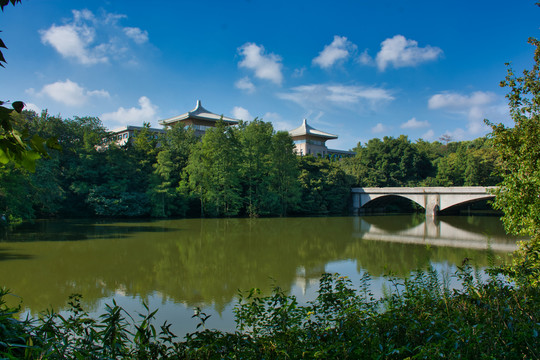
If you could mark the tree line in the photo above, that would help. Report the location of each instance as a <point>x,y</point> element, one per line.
<point>245,170</point>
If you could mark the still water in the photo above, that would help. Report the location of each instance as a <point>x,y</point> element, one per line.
<point>177,265</point>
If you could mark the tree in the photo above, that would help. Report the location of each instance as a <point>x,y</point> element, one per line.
<point>167,197</point>
<point>256,162</point>
<point>284,174</point>
<point>518,195</point>
<point>213,171</point>
<point>390,162</point>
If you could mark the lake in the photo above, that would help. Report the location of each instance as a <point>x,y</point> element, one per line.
<point>177,265</point>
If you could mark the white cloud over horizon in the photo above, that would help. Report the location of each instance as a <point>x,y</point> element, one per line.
<point>32,107</point>
<point>265,66</point>
<point>428,135</point>
<point>317,95</point>
<point>70,93</point>
<point>401,52</point>
<point>91,40</point>
<point>241,113</point>
<point>414,124</point>
<point>245,84</point>
<point>476,107</point>
<point>339,49</point>
<point>146,112</point>
<point>379,128</point>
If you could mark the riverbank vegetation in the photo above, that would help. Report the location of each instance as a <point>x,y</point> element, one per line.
<point>247,170</point>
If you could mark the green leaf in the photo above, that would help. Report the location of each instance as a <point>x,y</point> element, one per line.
<point>4,158</point>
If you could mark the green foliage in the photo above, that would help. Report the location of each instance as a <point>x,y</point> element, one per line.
<point>284,173</point>
<point>519,193</point>
<point>325,187</point>
<point>214,171</point>
<point>398,162</point>
<point>391,162</point>
<point>249,170</point>
<point>17,144</point>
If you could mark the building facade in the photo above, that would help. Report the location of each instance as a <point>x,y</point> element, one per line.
<point>310,141</point>
<point>122,136</point>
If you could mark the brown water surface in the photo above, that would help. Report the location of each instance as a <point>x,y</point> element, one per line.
<point>176,265</point>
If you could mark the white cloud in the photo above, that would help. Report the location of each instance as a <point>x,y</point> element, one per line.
<point>146,112</point>
<point>379,128</point>
<point>458,135</point>
<point>277,122</point>
<point>70,93</point>
<point>475,107</point>
<point>245,84</point>
<point>317,95</point>
<point>90,40</point>
<point>459,102</point>
<point>428,135</point>
<point>299,72</point>
<point>138,35</point>
<point>240,113</point>
<point>400,52</point>
<point>32,107</point>
<point>73,41</point>
<point>414,124</point>
<point>365,58</point>
<point>338,50</point>
<point>266,66</point>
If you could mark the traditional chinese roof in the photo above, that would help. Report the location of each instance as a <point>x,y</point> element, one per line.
<point>199,113</point>
<point>134,128</point>
<point>305,129</point>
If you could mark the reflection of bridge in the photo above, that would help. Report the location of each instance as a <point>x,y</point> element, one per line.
<point>435,233</point>
<point>433,199</point>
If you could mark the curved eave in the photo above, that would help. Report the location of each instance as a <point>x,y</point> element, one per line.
<point>183,117</point>
<point>306,130</point>
<point>316,133</point>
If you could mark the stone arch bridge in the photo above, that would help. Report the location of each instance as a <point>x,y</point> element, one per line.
<point>433,199</point>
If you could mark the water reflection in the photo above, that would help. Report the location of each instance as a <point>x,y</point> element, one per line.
<point>197,262</point>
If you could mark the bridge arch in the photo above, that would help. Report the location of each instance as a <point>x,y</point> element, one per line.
<point>433,199</point>
<point>384,199</point>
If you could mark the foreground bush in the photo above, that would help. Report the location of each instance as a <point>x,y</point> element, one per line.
<point>419,318</point>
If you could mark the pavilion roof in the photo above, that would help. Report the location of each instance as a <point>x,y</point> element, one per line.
<point>199,113</point>
<point>305,129</point>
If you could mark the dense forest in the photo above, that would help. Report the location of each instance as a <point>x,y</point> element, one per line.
<point>246,170</point>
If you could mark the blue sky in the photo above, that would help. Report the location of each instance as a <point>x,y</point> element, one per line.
<point>358,69</point>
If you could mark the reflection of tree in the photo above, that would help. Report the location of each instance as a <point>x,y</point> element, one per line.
<point>380,258</point>
<point>197,261</point>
